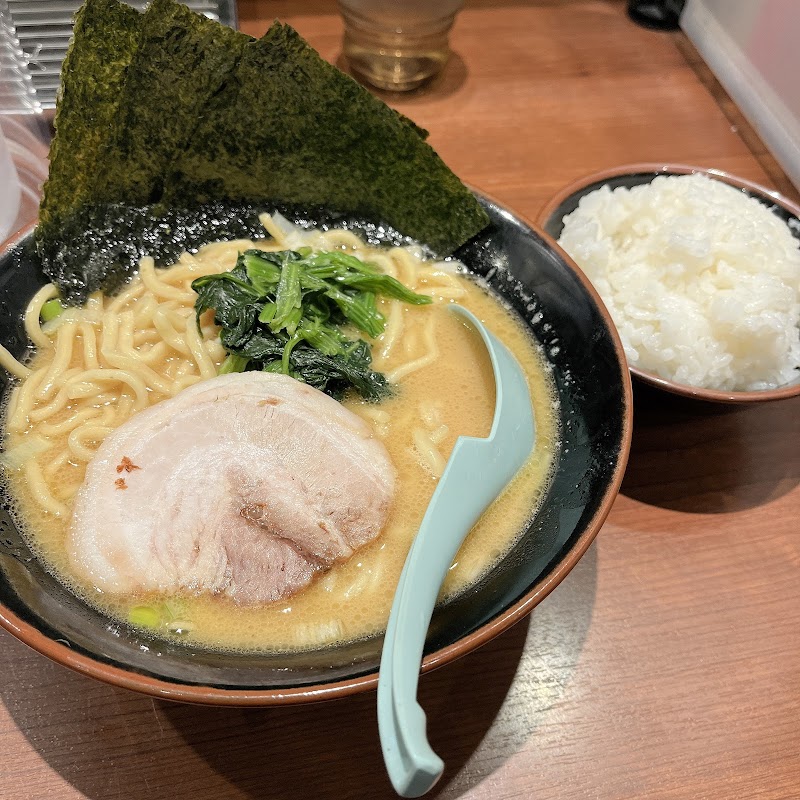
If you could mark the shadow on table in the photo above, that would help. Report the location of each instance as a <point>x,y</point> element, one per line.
<point>701,457</point>
<point>112,744</point>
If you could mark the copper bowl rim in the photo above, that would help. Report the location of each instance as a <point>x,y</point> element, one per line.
<point>215,696</point>
<point>659,168</point>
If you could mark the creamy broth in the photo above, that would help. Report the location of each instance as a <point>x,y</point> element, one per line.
<point>444,388</point>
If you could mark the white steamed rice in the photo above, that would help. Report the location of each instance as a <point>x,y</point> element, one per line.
<point>702,281</point>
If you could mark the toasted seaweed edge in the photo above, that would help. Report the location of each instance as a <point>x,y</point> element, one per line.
<point>101,245</point>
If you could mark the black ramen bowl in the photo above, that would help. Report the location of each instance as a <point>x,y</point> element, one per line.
<point>551,219</point>
<point>563,312</point>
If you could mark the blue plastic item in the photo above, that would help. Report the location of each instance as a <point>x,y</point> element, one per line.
<point>476,473</point>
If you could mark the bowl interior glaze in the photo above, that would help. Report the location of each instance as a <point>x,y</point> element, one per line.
<point>593,385</point>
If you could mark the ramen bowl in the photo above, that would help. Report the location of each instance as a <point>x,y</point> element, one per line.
<point>565,315</point>
<point>566,201</point>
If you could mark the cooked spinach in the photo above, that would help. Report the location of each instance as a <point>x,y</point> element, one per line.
<point>289,312</point>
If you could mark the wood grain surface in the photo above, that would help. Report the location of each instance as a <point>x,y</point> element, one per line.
<point>667,665</point>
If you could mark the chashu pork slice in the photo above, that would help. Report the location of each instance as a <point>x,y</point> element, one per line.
<point>244,485</point>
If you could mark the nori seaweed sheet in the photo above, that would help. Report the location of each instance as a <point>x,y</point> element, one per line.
<point>93,75</point>
<point>181,61</point>
<point>289,126</point>
<point>166,113</point>
<point>100,246</point>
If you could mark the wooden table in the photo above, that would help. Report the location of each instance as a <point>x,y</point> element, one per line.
<point>667,664</point>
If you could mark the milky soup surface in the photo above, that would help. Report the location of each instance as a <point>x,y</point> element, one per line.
<point>443,388</point>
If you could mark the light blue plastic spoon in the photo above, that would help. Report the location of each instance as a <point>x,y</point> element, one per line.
<point>476,472</point>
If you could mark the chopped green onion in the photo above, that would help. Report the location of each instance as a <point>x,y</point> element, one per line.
<point>51,309</point>
<point>31,446</point>
<point>144,617</point>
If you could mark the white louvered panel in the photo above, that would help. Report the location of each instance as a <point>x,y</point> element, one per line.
<point>34,36</point>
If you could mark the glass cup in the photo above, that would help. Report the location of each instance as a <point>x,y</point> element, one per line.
<point>400,44</point>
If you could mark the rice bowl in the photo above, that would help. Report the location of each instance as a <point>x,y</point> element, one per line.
<point>701,274</point>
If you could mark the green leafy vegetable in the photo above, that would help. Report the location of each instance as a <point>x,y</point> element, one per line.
<point>285,312</point>
<point>234,363</point>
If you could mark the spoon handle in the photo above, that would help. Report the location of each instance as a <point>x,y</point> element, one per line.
<point>475,474</point>
<point>455,507</point>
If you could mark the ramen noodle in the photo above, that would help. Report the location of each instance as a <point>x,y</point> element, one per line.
<point>98,365</point>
